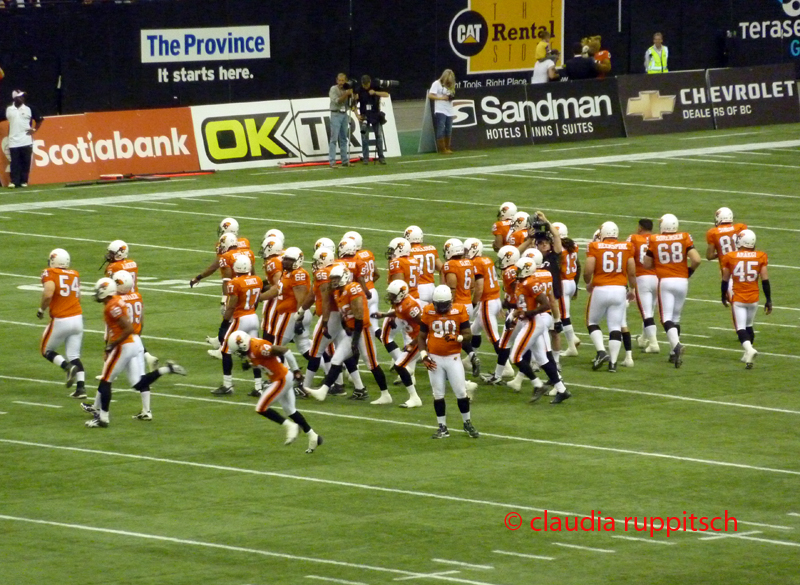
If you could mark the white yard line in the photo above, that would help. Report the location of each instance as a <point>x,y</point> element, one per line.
<point>738,162</point>
<point>522,555</point>
<point>600,550</point>
<point>460,564</point>
<point>332,580</point>
<point>95,331</point>
<point>577,168</point>
<point>795,514</point>
<point>776,527</point>
<point>616,166</point>
<point>720,156</point>
<point>392,184</point>
<point>436,160</point>
<point>175,204</point>
<point>729,535</point>
<point>470,178</point>
<point>361,187</point>
<point>84,210</point>
<point>35,212</point>
<point>754,153</point>
<point>717,302</point>
<point>719,135</point>
<point>36,404</point>
<point>793,151</point>
<point>423,576</point>
<point>635,539</point>
<point>432,181</point>
<point>234,197</point>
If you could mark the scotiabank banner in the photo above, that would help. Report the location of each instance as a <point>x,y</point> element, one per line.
<point>753,96</point>
<point>538,114</point>
<point>662,104</point>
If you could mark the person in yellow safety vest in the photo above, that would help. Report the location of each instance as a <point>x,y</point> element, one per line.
<point>655,59</point>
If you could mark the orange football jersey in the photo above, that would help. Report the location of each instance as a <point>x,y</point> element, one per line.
<point>723,238</point>
<point>569,264</point>
<point>287,301</point>
<point>113,312</point>
<point>501,228</point>
<point>611,262</point>
<point>484,267</point>
<point>241,244</point>
<point>130,266</point>
<point>426,256</point>
<point>247,289</point>
<point>365,267</point>
<point>273,269</point>
<point>66,301</point>
<point>259,357</point>
<point>352,293</point>
<point>441,325</point>
<point>352,265</point>
<point>409,267</point>
<point>641,243</point>
<point>669,254</point>
<point>516,238</point>
<point>227,259</point>
<point>745,267</point>
<point>465,278</point>
<point>135,308</point>
<point>529,289</point>
<point>510,284</point>
<point>408,310</point>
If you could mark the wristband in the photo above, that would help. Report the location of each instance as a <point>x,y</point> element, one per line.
<point>691,271</point>
<point>423,354</point>
<point>460,338</point>
<point>199,277</point>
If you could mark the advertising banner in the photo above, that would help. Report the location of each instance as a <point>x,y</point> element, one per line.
<point>61,151</point>
<point>753,96</point>
<point>662,104</point>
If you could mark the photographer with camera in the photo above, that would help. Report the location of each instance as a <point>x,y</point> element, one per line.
<point>340,95</point>
<point>370,115</point>
<point>442,93</point>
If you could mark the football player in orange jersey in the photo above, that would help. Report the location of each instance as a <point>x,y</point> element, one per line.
<point>507,258</point>
<point>271,251</point>
<point>124,354</point>
<point>668,253</point>
<point>742,268</point>
<point>352,340</point>
<point>61,294</point>
<point>262,355</point>
<point>721,238</point>
<point>444,332</point>
<point>570,269</point>
<point>402,267</point>
<point>407,311</point>
<point>501,227</point>
<point>646,286</point>
<point>459,275</point>
<point>610,277</point>
<point>243,291</point>
<point>366,273</point>
<point>518,230</point>
<point>535,313</point>
<point>428,258</point>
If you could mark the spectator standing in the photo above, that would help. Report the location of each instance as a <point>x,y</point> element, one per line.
<point>442,93</point>
<point>20,137</point>
<point>545,69</point>
<point>580,66</point>
<point>656,57</point>
<point>340,121</point>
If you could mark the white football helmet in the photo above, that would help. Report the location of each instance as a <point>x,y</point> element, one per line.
<point>452,248</point>
<point>562,229</point>
<point>596,236</point>
<point>117,250</point>
<point>525,268</point>
<point>396,291</point>
<point>324,243</point>
<point>242,265</point>
<point>669,224</point>
<point>356,237</point>
<point>506,211</point>
<point>398,247</point>
<point>442,299</point>
<point>227,242</point>
<point>104,288</point>
<point>294,257</point>
<point>271,247</point>
<point>473,248</point>
<point>609,230</point>
<point>347,248</point>
<point>239,342</point>
<point>277,234</point>
<point>507,256</point>
<point>746,239</point>
<point>519,221</point>
<point>123,280</point>
<point>340,276</point>
<point>228,226</point>
<point>59,258</point>
<point>414,234</point>
<point>535,255</point>
<point>723,215</point>
<point>322,257</point>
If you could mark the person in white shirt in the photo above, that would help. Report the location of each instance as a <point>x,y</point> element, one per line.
<point>441,94</point>
<point>20,137</point>
<point>545,69</point>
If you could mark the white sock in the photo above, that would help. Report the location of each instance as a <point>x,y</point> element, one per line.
<point>412,392</point>
<point>747,345</point>
<point>227,381</point>
<point>104,416</point>
<point>465,416</point>
<point>559,386</point>
<point>519,377</point>
<point>164,370</point>
<point>569,332</point>
<point>81,377</point>
<point>355,376</point>
<point>597,339</point>
<point>629,355</point>
<point>326,366</point>
<point>537,383</point>
<point>395,353</point>
<point>384,393</point>
<point>58,360</point>
<point>292,361</point>
<point>309,379</point>
<point>613,348</point>
<point>145,401</point>
<point>672,336</point>
<point>498,371</point>
<point>557,357</point>
<point>650,332</point>
<point>442,420</point>
<point>259,382</point>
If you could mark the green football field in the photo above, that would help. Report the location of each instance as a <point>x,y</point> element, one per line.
<point>207,492</point>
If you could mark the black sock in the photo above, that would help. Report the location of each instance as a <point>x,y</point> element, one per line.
<point>313,364</point>
<point>307,355</point>
<point>678,327</point>
<point>463,405</point>
<point>146,380</point>
<point>476,341</point>
<point>649,322</point>
<point>227,364</point>
<point>439,406</point>
<point>301,420</point>
<point>502,356</point>
<point>405,377</point>
<point>223,330</point>
<point>273,415</point>
<point>742,335</point>
<point>626,340</point>
<point>104,389</point>
<point>670,325</point>
<point>551,370</point>
<point>524,366</point>
<point>380,378</point>
<point>751,333</point>
<point>390,347</point>
<point>77,362</point>
<point>333,373</point>
<point>351,363</point>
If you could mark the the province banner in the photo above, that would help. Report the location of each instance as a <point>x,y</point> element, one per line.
<point>498,37</point>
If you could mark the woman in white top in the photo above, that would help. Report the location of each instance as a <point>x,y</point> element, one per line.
<point>441,93</point>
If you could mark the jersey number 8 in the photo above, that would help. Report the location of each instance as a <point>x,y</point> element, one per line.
<point>670,254</point>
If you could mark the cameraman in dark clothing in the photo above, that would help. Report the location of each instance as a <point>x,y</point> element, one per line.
<point>370,116</point>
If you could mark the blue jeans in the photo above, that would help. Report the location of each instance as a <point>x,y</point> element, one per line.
<point>443,125</point>
<point>340,124</point>
<point>375,128</point>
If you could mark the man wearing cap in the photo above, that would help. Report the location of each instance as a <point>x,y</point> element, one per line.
<point>20,137</point>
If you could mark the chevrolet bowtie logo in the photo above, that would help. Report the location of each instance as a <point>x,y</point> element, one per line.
<point>651,105</point>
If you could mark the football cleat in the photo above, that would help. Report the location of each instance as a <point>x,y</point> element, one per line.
<point>385,398</point>
<point>88,408</point>
<point>538,392</point>
<point>508,371</point>
<point>641,341</point>
<point>561,397</point>
<point>441,433</point>
<point>601,358</point>
<point>292,430</point>
<point>748,358</point>
<point>72,375</point>
<point>337,390</point>
<point>256,393</point>
<point>215,353</point>
<point>175,368</point>
<point>213,342</point>
<point>150,361</point>
<point>493,380</point>
<point>222,391</point>
<point>414,402</point>
<point>470,430</point>
<point>627,362</point>
<point>314,441</point>
<point>79,393</point>
<point>359,395</point>
<point>144,415</point>
<point>96,423</point>
<point>671,358</point>
<point>571,351</point>
<point>652,347</point>
<point>476,364</point>
<point>679,349</point>
<point>612,367</point>
<point>516,383</point>
<point>318,393</point>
